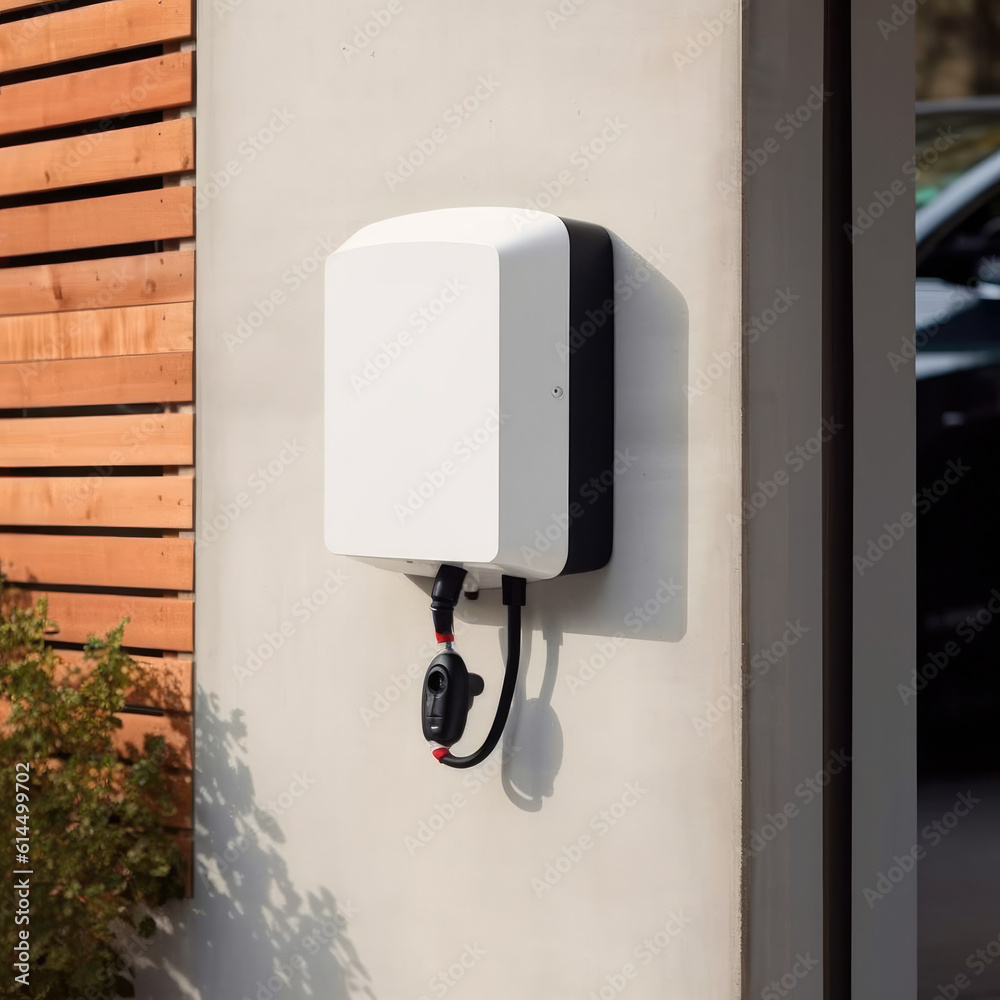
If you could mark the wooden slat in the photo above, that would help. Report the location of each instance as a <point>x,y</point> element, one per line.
<point>176,733</point>
<point>87,31</point>
<point>102,502</point>
<point>107,93</point>
<point>98,561</point>
<point>155,622</point>
<point>170,685</point>
<point>52,37</point>
<point>175,730</point>
<point>140,280</point>
<point>96,333</point>
<point>160,214</point>
<point>6,5</point>
<point>148,378</point>
<point>143,151</point>
<point>129,439</point>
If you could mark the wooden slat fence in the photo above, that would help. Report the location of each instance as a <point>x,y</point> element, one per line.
<point>97,339</point>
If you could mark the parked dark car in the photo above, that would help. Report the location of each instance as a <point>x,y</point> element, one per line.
<point>957,363</point>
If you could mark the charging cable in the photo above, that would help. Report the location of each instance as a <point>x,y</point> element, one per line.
<point>449,688</point>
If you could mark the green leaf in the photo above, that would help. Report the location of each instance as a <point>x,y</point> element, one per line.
<point>100,851</point>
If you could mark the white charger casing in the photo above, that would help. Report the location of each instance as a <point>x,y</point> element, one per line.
<point>450,384</point>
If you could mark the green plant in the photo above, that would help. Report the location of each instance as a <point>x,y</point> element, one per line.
<point>99,853</point>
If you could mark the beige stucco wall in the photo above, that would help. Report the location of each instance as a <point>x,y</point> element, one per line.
<point>335,858</point>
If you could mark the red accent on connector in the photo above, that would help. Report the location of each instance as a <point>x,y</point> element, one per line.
<point>441,637</point>
<point>440,753</point>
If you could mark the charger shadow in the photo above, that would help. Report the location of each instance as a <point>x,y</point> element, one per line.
<point>642,592</point>
<point>533,741</point>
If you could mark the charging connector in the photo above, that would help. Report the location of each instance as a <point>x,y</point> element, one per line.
<point>448,688</point>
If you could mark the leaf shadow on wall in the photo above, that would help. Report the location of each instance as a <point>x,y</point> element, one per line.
<point>249,932</point>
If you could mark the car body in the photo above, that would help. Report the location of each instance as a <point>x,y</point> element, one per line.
<point>957,364</point>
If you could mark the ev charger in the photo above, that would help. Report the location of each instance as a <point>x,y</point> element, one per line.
<point>469,401</point>
<point>470,394</point>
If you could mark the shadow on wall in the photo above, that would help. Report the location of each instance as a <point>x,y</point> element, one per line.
<point>274,942</point>
<point>642,592</point>
<point>533,740</point>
